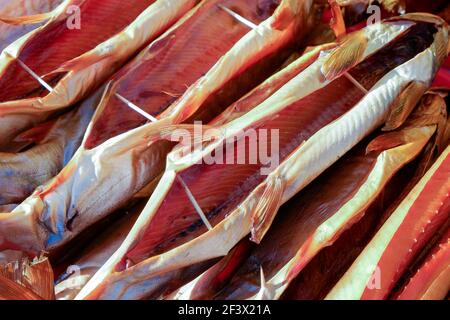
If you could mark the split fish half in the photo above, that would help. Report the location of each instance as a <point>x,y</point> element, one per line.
<point>119,156</point>
<point>81,45</point>
<point>431,280</point>
<point>48,147</point>
<point>200,211</point>
<point>423,213</point>
<point>21,8</point>
<point>90,260</point>
<point>317,216</point>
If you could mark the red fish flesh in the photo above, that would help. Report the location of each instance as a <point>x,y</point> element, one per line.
<point>169,235</point>
<point>74,59</point>
<point>9,9</point>
<point>402,237</point>
<point>126,163</point>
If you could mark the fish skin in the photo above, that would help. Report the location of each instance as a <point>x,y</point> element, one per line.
<point>206,286</point>
<point>95,255</point>
<point>10,33</point>
<point>406,230</point>
<point>268,87</point>
<point>431,280</point>
<point>21,173</point>
<point>320,275</point>
<point>71,197</point>
<point>73,79</point>
<point>42,51</point>
<point>115,281</point>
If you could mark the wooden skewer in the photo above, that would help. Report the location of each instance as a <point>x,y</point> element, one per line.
<point>195,204</point>
<point>238,17</point>
<point>32,73</point>
<point>136,108</point>
<point>356,83</point>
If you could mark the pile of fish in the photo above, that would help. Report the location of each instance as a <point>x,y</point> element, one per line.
<point>224,149</point>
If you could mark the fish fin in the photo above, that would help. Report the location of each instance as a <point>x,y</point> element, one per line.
<point>420,118</point>
<point>267,208</point>
<point>36,134</point>
<point>432,110</point>
<point>348,54</point>
<point>391,140</point>
<point>36,276</point>
<point>24,20</point>
<point>442,47</point>
<point>283,17</point>
<point>386,141</point>
<point>337,23</point>
<point>404,104</point>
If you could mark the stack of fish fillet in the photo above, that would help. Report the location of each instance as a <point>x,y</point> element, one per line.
<point>224,149</point>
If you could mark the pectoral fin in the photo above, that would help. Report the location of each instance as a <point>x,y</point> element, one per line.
<point>432,110</point>
<point>349,53</point>
<point>404,104</point>
<point>267,208</point>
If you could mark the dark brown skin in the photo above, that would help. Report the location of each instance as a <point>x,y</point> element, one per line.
<point>296,123</point>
